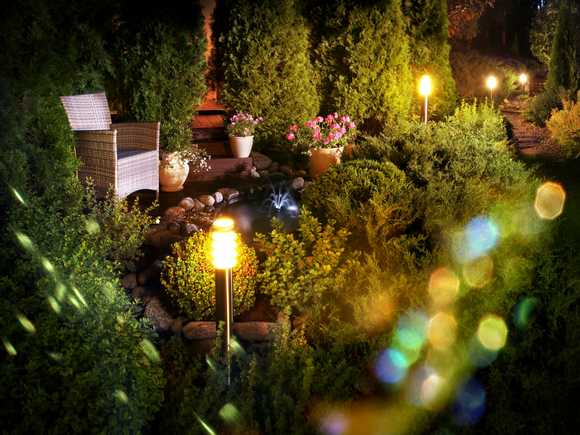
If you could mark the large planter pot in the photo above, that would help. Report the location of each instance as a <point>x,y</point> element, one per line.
<point>173,172</point>
<point>241,146</point>
<point>323,158</point>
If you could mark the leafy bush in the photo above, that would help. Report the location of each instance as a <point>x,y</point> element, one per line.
<point>264,53</point>
<point>430,50</point>
<point>77,361</point>
<point>300,270</point>
<point>160,77</point>
<point>189,277</point>
<point>372,200</point>
<point>123,227</point>
<point>542,31</point>
<point>564,127</point>
<point>541,106</point>
<point>364,59</point>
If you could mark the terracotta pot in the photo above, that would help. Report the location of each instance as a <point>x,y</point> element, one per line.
<point>241,146</point>
<point>323,158</point>
<point>173,172</point>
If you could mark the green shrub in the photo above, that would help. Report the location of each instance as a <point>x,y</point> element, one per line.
<point>159,76</point>
<point>189,277</point>
<point>123,226</point>
<point>542,32</point>
<point>541,106</point>
<point>564,127</point>
<point>300,270</point>
<point>266,65</point>
<point>372,80</point>
<point>78,363</point>
<point>428,33</point>
<point>372,200</point>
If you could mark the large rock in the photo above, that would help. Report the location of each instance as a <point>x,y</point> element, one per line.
<point>206,200</point>
<point>229,193</point>
<point>186,203</point>
<point>218,197</point>
<point>130,281</point>
<point>160,318</point>
<point>199,330</point>
<point>297,183</point>
<point>261,161</point>
<point>189,229</point>
<point>161,239</point>
<point>256,331</point>
<point>174,213</point>
<point>286,170</point>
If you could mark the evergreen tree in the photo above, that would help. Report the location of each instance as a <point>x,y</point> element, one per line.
<point>428,30</point>
<point>565,56</point>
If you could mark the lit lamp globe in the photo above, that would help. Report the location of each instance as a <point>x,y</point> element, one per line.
<point>524,80</point>
<point>425,89</point>
<point>491,84</point>
<point>224,257</point>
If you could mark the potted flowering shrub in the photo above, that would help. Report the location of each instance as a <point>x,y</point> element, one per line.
<point>324,139</point>
<point>176,164</point>
<point>240,129</point>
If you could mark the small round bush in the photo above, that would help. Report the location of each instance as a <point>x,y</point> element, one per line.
<point>189,277</point>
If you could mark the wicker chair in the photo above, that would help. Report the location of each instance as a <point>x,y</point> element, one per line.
<point>124,156</point>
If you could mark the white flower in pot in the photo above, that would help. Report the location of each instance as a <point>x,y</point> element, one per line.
<point>240,128</point>
<point>176,165</point>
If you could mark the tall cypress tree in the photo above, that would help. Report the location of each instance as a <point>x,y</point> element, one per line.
<point>427,26</point>
<point>564,58</point>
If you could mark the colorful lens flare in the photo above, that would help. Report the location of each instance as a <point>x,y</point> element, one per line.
<point>443,287</point>
<point>550,199</point>
<point>492,332</point>
<point>391,366</point>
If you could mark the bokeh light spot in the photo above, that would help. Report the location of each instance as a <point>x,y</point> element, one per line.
<point>92,226</point>
<point>391,366</point>
<point>54,304</point>
<point>443,287</point>
<point>478,273</point>
<point>150,351</point>
<point>523,312</point>
<point>9,347</point>
<point>334,423</point>
<point>410,335</point>
<point>481,235</point>
<point>230,414</point>
<point>550,199</point>
<point>121,396</point>
<point>26,323</point>
<point>431,389</point>
<point>442,330</point>
<point>469,405</point>
<point>492,332</point>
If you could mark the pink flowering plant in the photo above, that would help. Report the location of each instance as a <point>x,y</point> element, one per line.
<point>242,124</point>
<point>330,131</point>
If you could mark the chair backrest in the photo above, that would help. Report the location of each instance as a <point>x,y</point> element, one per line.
<point>87,111</point>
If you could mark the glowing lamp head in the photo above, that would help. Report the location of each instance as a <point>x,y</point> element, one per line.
<point>224,244</point>
<point>491,82</point>
<point>523,78</point>
<point>425,86</point>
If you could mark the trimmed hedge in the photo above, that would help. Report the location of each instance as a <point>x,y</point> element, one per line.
<point>264,54</point>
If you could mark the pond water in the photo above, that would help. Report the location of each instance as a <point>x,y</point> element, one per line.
<point>256,209</point>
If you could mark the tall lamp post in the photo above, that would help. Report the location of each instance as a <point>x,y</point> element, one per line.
<point>224,242</point>
<point>491,84</point>
<point>425,88</point>
<point>524,82</point>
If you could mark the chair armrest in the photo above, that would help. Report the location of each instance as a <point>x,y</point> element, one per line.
<point>97,145</point>
<point>143,135</point>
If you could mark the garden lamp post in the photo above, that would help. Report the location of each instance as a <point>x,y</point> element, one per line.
<point>491,84</point>
<point>425,88</point>
<point>524,82</point>
<point>224,257</point>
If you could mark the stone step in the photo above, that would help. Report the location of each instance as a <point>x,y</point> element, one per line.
<point>208,135</point>
<point>219,148</point>
<point>222,168</point>
<point>208,120</point>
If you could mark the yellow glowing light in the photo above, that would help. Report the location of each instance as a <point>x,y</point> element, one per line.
<point>550,199</point>
<point>442,330</point>
<point>224,244</point>
<point>478,273</point>
<point>430,389</point>
<point>425,86</point>
<point>443,287</point>
<point>491,82</point>
<point>523,78</point>
<point>492,332</point>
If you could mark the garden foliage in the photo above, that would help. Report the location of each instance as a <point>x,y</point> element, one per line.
<point>189,277</point>
<point>264,56</point>
<point>428,30</point>
<point>542,31</point>
<point>564,127</point>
